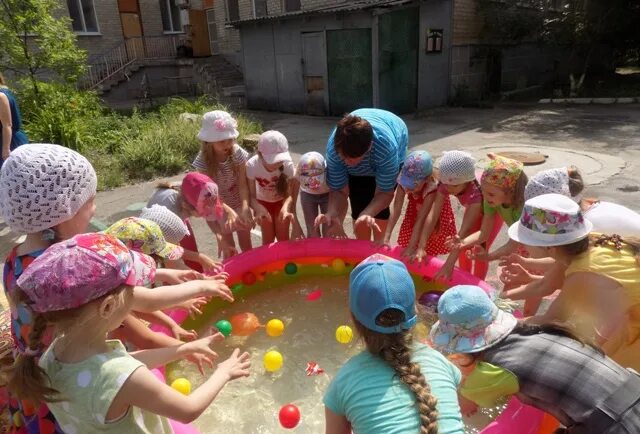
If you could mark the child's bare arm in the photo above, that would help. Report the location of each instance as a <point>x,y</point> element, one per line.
<point>472,214</point>
<point>429,216</point>
<point>394,213</point>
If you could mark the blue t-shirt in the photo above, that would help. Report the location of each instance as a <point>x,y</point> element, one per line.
<point>383,160</point>
<point>370,395</point>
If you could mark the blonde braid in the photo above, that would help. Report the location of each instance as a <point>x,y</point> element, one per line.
<point>398,355</point>
<point>27,380</point>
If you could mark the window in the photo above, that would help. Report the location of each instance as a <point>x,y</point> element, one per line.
<point>170,16</point>
<point>291,5</point>
<point>434,40</point>
<point>83,16</point>
<point>233,13</point>
<point>260,8</point>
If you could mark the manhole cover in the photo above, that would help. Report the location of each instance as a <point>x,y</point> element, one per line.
<point>526,158</point>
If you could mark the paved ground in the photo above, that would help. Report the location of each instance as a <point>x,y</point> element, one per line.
<point>604,142</point>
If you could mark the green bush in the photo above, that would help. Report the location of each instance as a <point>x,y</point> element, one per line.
<point>122,149</point>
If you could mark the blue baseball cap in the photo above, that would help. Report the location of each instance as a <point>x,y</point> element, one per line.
<point>416,168</point>
<point>379,283</point>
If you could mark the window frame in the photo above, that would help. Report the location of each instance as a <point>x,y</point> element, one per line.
<point>285,10</point>
<point>82,20</point>
<point>227,16</point>
<point>170,17</point>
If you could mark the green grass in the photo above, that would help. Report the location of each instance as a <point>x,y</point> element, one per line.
<point>122,148</point>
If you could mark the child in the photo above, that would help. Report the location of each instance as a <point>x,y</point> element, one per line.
<point>197,196</point>
<point>429,220</point>
<point>224,161</point>
<point>599,276</point>
<point>271,183</point>
<point>173,228</point>
<point>544,366</point>
<point>314,192</point>
<point>457,175</point>
<point>607,217</point>
<point>84,306</point>
<point>396,384</point>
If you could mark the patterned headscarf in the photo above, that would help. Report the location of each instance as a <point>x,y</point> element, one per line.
<point>502,172</point>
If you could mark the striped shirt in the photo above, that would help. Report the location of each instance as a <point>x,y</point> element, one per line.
<point>226,176</point>
<point>383,160</point>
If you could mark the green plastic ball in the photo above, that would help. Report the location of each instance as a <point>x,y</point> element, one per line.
<point>224,327</point>
<point>291,268</point>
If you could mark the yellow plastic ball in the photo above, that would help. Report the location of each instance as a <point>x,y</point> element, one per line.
<point>275,328</point>
<point>17,420</point>
<point>344,334</point>
<point>338,265</point>
<point>182,385</point>
<point>273,361</point>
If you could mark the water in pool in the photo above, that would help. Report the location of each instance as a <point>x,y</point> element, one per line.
<point>251,405</point>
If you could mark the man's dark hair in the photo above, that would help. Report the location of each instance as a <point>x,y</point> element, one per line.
<point>353,136</point>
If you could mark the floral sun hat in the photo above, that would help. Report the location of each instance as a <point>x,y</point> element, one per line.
<point>144,236</point>
<point>416,168</point>
<point>550,220</point>
<point>502,172</point>
<point>469,321</point>
<point>74,272</point>
<point>312,171</point>
<point>218,125</point>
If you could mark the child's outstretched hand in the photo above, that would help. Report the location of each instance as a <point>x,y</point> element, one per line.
<point>209,265</point>
<point>334,226</point>
<point>444,273</point>
<point>515,275</point>
<point>262,215</point>
<point>467,407</point>
<point>169,276</point>
<point>245,219</point>
<point>453,243</point>
<point>478,253</point>
<point>200,352</point>
<point>414,254</point>
<point>511,259</point>
<point>193,306</point>
<point>236,366</point>
<point>226,250</point>
<point>215,287</point>
<point>182,334</point>
<point>368,221</point>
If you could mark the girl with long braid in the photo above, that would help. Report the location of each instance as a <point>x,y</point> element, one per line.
<point>396,385</point>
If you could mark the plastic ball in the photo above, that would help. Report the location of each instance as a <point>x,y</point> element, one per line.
<point>249,278</point>
<point>182,385</point>
<point>237,287</point>
<point>430,299</point>
<point>244,324</point>
<point>291,268</point>
<point>273,361</point>
<point>17,420</point>
<point>338,265</point>
<point>224,327</point>
<point>289,416</point>
<point>344,334</point>
<point>275,328</point>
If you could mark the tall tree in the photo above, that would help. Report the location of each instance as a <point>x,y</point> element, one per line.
<point>35,37</point>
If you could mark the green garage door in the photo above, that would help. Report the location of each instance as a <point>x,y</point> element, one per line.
<point>398,36</point>
<point>349,68</point>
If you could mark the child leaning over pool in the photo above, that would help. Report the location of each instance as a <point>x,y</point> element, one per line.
<point>84,306</point>
<point>395,384</point>
<point>545,366</point>
<point>311,173</point>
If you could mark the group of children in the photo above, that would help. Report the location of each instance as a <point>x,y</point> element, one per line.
<point>67,287</point>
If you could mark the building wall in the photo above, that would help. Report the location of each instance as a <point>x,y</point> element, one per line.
<point>433,68</point>
<point>108,23</point>
<point>151,17</point>
<point>467,25</point>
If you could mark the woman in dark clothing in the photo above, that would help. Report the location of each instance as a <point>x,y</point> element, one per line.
<point>10,122</point>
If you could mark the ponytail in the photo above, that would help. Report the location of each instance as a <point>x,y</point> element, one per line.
<point>26,379</point>
<point>282,185</point>
<point>395,349</point>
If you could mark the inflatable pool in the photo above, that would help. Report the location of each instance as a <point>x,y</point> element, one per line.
<point>289,260</point>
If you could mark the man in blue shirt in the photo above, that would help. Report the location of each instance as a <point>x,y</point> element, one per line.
<point>364,155</point>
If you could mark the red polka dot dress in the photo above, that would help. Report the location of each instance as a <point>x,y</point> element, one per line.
<point>445,228</point>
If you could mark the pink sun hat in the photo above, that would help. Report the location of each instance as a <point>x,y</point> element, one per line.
<point>201,192</point>
<point>76,271</point>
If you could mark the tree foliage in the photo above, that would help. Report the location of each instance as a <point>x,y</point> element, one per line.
<point>36,37</point>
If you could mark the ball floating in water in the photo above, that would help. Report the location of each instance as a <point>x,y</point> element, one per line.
<point>275,328</point>
<point>224,327</point>
<point>289,416</point>
<point>237,287</point>
<point>430,300</point>
<point>338,265</point>
<point>182,385</point>
<point>273,361</point>
<point>244,324</point>
<point>291,268</point>
<point>17,419</point>
<point>249,278</point>
<point>344,334</point>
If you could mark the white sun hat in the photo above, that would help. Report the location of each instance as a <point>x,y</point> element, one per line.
<point>550,220</point>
